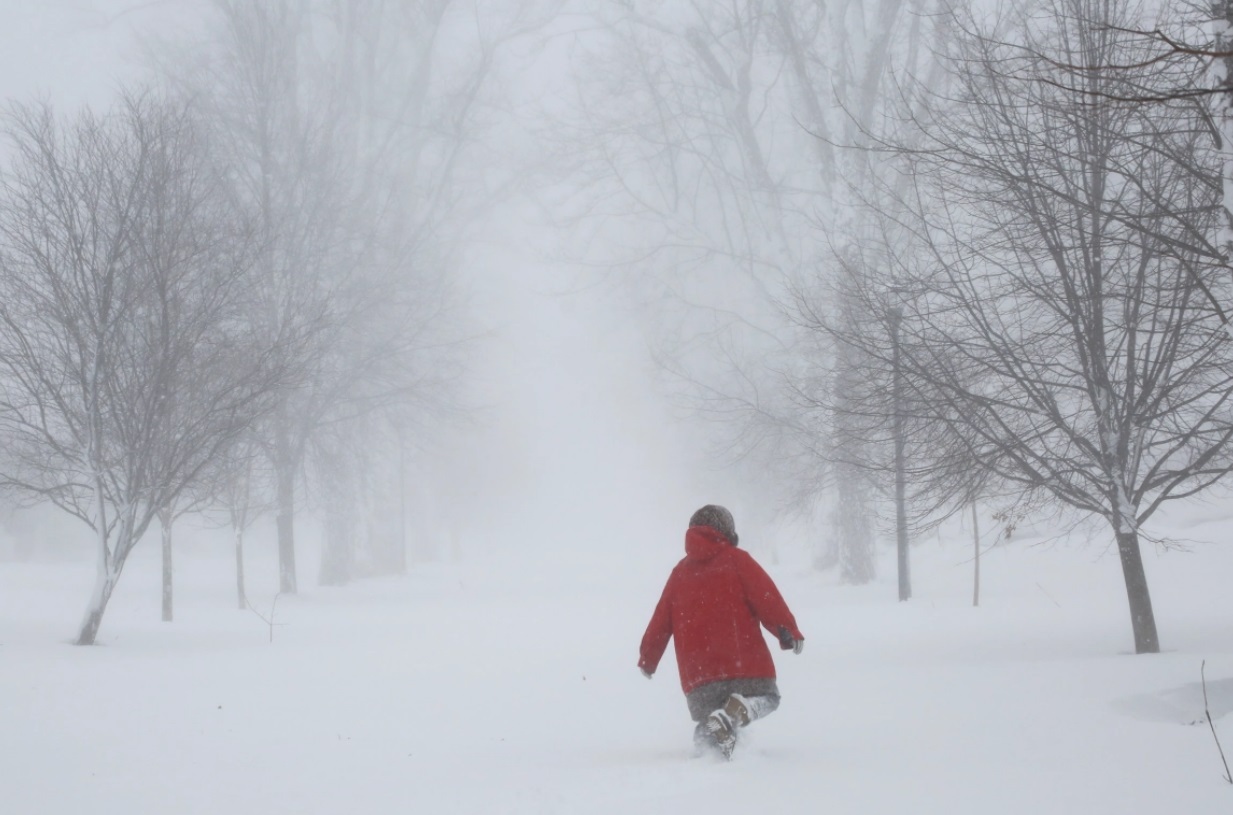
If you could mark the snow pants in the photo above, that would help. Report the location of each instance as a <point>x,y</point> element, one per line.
<point>762,695</point>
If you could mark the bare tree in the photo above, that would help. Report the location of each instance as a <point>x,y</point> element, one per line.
<point>708,134</point>
<point>233,481</point>
<point>1194,33</point>
<point>238,485</point>
<point>358,470</point>
<point>1062,325</point>
<point>244,500</point>
<point>352,130</point>
<point>123,370</point>
<point>889,437</point>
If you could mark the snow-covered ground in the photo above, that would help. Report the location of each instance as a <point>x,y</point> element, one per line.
<point>508,684</point>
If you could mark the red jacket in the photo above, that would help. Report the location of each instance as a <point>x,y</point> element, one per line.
<point>712,605</point>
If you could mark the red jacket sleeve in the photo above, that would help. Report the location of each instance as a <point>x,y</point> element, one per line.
<point>765,600</point>
<point>658,632</point>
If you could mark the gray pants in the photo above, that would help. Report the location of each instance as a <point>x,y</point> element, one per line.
<point>762,695</point>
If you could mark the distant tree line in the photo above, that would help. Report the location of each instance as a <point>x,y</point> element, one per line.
<point>996,272</point>
<point>233,290</point>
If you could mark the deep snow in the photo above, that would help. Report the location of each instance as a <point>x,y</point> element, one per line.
<point>508,684</point>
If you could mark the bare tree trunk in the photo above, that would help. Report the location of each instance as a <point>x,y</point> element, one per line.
<point>856,540</point>
<point>1142,619</point>
<point>111,561</point>
<point>901,514</point>
<point>338,552</point>
<point>165,521</point>
<point>815,116</point>
<point>286,532</point>
<point>877,58</point>
<point>106,574</point>
<point>975,558</point>
<point>852,518</point>
<point>337,556</point>
<point>284,473</point>
<point>104,584</point>
<point>1222,13</point>
<point>402,503</point>
<point>239,568</point>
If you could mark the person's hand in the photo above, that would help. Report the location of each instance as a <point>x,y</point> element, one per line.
<point>789,643</point>
<point>645,672</point>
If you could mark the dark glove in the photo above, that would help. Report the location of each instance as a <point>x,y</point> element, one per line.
<point>645,672</point>
<point>789,643</point>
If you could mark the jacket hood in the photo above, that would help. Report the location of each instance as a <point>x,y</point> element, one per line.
<point>704,542</point>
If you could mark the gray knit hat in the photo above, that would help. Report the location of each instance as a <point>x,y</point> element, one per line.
<point>716,517</point>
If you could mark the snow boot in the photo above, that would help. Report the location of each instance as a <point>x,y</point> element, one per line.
<point>723,731</point>
<point>724,722</point>
<point>738,709</point>
<point>704,743</point>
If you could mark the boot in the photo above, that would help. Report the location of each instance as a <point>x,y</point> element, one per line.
<point>723,723</point>
<point>703,742</point>
<point>737,708</point>
<point>723,731</point>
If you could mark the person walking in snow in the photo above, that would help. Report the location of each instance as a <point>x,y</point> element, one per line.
<point>712,605</point>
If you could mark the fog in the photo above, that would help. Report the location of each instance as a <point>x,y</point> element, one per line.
<point>573,431</point>
<point>548,264</point>
<point>362,363</point>
<point>564,420</point>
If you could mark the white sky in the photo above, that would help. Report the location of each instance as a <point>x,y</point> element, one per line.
<point>76,51</point>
